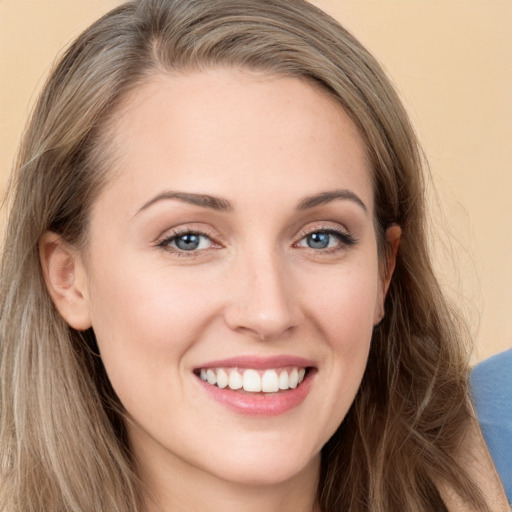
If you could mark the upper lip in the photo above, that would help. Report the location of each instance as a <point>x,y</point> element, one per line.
<point>258,362</point>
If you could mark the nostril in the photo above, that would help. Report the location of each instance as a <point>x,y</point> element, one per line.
<point>261,300</point>
<point>262,325</point>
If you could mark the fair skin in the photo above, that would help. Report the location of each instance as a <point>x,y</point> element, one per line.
<point>236,236</point>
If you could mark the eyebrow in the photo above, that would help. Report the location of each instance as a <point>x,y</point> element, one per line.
<point>202,200</point>
<point>328,196</point>
<point>221,204</point>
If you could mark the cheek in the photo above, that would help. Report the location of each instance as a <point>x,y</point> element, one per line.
<point>344,303</point>
<point>134,295</point>
<point>343,308</point>
<point>146,320</point>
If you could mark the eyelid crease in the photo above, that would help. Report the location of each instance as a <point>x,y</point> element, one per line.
<point>346,238</point>
<point>164,241</point>
<point>326,227</point>
<point>172,234</point>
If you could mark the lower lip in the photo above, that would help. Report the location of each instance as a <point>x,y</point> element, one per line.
<point>261,404</point>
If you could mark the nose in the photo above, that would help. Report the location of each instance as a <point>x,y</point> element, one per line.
<point>263,301</point>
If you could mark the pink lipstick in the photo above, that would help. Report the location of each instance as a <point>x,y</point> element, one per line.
<point>258,386</point>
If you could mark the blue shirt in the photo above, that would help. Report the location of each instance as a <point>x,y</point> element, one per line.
<point>491,386</point>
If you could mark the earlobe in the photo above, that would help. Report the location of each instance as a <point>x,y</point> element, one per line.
<point>64,275</point>
<point>393,234</point>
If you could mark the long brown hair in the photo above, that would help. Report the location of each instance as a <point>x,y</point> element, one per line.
<point>63,444</point>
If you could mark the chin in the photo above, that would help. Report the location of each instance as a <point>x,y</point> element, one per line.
<point>273,472</point>
<point>265,463</point>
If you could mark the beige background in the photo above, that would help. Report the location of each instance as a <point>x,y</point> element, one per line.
<point>451,61</point>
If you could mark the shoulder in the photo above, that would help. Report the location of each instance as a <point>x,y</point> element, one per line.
<point>491,386</point>
<point>493,376</point>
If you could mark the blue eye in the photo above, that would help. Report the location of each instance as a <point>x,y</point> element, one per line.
<point>318,240</point>
<point>188,241</point>
<point>326,239</point>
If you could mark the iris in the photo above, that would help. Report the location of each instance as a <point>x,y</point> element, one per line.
<point>318,240</point>
<point>188,242</point>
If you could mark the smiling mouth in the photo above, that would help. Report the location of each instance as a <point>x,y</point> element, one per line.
<point>252,380</point>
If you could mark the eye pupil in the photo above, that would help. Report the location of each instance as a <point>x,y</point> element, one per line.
<point>318,240</point>
<point>187,242</point>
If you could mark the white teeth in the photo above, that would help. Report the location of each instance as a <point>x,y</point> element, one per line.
<point>294,378</point>
<point>235,380</point>
<point>222,379</point>
<point>283,380</point>
<point>211,377</point>
<point>270,382</point>
<point>252,381</point>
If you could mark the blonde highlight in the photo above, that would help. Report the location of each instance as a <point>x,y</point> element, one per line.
<point>62,436</point>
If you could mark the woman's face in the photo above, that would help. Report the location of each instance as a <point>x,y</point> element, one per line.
<point>233,249</point>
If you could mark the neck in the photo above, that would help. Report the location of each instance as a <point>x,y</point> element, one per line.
<point>190,488</point>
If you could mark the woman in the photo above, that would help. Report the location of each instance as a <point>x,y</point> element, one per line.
<point>216,289</point>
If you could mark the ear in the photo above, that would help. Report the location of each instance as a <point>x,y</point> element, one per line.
<point>393,234</point>
<point>65,278</point>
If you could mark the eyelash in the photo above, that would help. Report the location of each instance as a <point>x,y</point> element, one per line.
<point>346,240</point>
<point>166,242</point>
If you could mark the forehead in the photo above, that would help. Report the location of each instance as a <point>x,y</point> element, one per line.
<point>238,133</point>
